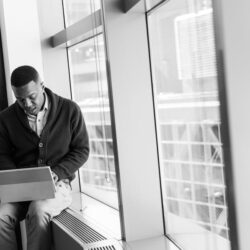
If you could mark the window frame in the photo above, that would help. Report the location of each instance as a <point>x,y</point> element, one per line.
<point>74,34</point>
<point>223,111</point>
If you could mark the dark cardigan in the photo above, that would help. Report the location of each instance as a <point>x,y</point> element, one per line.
<point>63,144</point>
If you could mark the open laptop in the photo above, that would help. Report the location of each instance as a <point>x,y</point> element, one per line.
<point>26,184</point>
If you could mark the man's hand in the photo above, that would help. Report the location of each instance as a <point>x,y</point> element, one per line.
<point>55,177</point>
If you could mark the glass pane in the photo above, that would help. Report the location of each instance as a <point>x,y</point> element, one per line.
<point>188,123</point>
<point>90,91</point>
<point>151,3</point>
<point>75,10</point>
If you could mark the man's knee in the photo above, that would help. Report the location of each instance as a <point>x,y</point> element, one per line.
<point>8,214</point>
<point>38,214</point>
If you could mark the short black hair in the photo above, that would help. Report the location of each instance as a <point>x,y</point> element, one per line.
<point>23,75</point>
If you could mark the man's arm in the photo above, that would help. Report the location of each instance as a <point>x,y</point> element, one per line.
<point>6,161</point>
<point>79,149</point>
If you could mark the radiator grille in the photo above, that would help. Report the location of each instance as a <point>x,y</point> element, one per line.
<point>103,248</point>
<point>81,230</point>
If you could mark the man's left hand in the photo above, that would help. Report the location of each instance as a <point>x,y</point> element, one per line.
<point>55,177</point>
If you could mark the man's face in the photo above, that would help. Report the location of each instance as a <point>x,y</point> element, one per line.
<point>30,97</point>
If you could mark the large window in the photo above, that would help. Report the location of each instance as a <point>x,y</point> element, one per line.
<point>75,10</point>
<point>188,124</point>
<point>87,64</point>
<point>88,76</point>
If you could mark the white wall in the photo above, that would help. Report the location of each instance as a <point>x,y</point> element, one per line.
<point>55,64</point>
<point>20,37</point>
<point>134,118</point>
<point>26,26</point>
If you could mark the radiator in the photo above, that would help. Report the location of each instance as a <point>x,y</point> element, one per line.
<point>72,232</point>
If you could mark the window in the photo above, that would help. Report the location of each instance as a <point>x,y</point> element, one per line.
<point>87,65</point>
<point>75,10</point>
<point>89,80</point>
<point>188,123</point>
<point>151,3</point>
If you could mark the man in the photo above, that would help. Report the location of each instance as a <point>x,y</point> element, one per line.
<point>39,129</point>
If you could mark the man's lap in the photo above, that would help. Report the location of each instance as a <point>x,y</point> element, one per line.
<point>52,207</point>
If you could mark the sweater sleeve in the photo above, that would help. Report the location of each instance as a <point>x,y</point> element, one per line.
<point>6,161</point>
<point>79,149</point>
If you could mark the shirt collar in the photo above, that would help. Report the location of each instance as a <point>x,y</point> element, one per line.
<point>44,109</point>
<point>46,103</point>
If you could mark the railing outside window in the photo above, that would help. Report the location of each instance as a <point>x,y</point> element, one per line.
<point>87,64</point>
<point>187,105</point>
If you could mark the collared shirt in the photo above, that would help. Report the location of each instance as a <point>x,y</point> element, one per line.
<point>37,122</point>
<point>63,138</point>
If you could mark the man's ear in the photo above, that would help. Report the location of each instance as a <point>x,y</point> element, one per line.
<point>42,84</point>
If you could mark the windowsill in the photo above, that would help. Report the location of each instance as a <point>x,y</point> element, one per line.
<point>105,217</point>
<point>194,237</point>
<point>159,243</point>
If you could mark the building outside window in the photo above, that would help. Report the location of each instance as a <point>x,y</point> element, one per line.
<point>87,65</point>
<point>182,48</point>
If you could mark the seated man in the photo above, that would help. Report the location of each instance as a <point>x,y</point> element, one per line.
<point>39,129</point>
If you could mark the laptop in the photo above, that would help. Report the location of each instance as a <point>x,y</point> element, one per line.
<point>26,184</point>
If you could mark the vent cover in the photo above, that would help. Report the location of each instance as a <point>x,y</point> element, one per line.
<point>71,231</point>
<point>103,248</point>
<point>84,232</point>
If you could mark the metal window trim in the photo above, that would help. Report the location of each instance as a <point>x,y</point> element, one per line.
<point>156,6</point>
<point>77,29</point>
